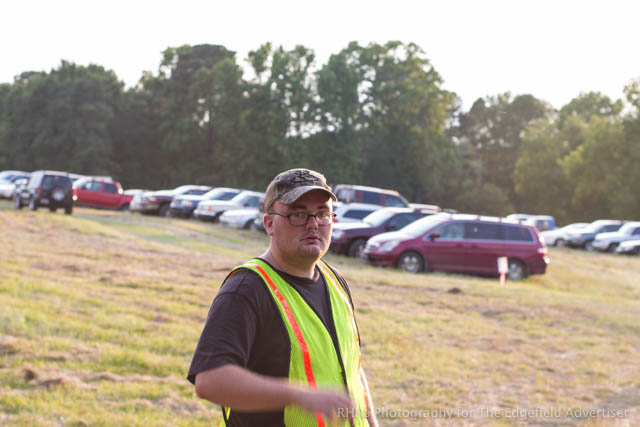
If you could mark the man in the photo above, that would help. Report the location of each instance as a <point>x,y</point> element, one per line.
<point>280,346</point>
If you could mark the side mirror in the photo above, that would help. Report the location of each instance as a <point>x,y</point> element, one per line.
<point>434,236</point>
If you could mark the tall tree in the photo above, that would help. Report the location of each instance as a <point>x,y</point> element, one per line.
<point>493,130</point>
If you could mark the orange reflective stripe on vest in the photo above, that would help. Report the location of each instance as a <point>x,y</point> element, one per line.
<point>294,324</point>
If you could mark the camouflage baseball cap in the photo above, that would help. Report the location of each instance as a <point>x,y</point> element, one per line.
<point>289,186</point>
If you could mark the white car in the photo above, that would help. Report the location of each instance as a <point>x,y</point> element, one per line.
<point>210,210</point>
<point>8,182</point>
<point>239,218</point>
<point>353,212</point>
<point>557,237</point>
<point>607,242</point>
<point>630,247</point>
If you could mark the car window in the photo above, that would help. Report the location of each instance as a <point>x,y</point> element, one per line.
<point>253,201</point>
<point>345,195</point>
<point>515,233</point>
<point>377,218</point>
<point>371,198</point>
<point>611,227</point>
<point>195,192</point>
<point>421,226</point>
<point>451,231</point>
<point>636,231</point>
<point>401,220</point>
<point>50,181</point>
<point>356,213</point>
<point>92,186</point>
<point>110,188</point>
<point>482,231</point>
<point>393,201</point>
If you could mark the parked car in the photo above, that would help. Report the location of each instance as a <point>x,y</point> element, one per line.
<point>369,195</point>
<point>100,193</point>
<point>8,182</point>
<point>584,237</point>
<point>46,188</point>
<point>541,222</point>
<point>212,209</point>
<point>239,218</point>
<point>350,238</point>
<point>183,206</point>
<point>607,242</point>
<point>353,212</point>
<point>460,243</point>
<point>159,202</point>
<point>630,247</point>
<point>558,236</point>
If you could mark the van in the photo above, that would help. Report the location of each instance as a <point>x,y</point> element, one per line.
<point>461,243</point>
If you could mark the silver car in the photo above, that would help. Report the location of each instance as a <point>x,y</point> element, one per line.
<point>558,236</point>
<point>607,242</point>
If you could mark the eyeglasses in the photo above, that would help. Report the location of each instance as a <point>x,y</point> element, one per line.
<point>301,218</point>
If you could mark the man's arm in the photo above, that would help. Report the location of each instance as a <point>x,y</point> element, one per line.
<point>371,414</point>
<point>240,389</point>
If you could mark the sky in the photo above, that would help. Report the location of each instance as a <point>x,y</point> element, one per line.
<point>553,50</point>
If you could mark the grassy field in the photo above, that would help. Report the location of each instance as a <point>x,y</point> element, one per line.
<point>100,313</point>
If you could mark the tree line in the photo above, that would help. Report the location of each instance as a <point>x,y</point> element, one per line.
<point>373,115</point>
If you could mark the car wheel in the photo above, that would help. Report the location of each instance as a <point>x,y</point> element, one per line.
<point>52,209</point>
<point>165,210</point>
<point>33,206</point>
<point>17,203</point>
<point>588,246</point>
<point>68,210</point>
<point>517,270</point>
<point>411,262</point>
<point>125,208</point>
<point>248,224</point>
<point>356,248</point>
<point>561,243</point>
<point>612,248</point>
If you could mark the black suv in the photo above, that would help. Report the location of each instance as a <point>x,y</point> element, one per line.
<point>46,188</point>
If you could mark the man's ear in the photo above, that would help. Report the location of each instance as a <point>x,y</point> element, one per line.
<point>267,220</point>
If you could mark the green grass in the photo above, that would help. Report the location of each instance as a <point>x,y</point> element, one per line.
<point>100,313</point>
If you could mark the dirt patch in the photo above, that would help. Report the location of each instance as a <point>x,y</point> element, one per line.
<point>177,405</point>
<point>8,345</point>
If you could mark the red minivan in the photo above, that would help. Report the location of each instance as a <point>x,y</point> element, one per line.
<point>461,243</point>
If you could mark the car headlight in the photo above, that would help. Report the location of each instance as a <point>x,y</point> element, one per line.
<point>337,234</point>
<point>388,246</point>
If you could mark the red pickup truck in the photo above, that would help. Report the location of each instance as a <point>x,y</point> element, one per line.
<point>100,193</point>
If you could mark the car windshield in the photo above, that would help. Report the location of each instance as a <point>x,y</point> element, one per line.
<point>219,194</point>
<point>377,218</point>
<point>594,227</point>
<point>629,228</point>
<point>421,226</point>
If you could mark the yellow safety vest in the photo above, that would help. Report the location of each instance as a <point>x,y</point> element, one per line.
<point>314,360</point>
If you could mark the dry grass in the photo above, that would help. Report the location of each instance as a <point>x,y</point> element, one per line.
<point>100,313</point>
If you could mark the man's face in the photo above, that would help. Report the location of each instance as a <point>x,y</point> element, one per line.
<point>309,241</point>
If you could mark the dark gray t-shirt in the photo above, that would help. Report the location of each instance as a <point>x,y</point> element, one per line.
<point>244,328</point>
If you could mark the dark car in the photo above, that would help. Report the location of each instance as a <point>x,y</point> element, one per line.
<point>183,206</point>
<point>159,202</point>
<point>584,237</point>
<point>101,193</point>
<point>350,238</point>
<point>46,188</point>
<point>461,243</point>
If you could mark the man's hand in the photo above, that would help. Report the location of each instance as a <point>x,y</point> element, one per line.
<point>331,404</point>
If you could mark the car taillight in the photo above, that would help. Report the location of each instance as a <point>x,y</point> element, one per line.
<point>39,190</point>
<point>542,252</point>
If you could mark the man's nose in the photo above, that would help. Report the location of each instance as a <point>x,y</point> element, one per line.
<point>312,222</point>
